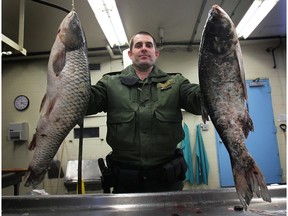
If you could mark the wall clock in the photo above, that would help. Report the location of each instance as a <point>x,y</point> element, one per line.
<point>21,102</point>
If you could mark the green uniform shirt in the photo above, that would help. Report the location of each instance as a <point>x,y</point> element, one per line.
<point>144,118</point>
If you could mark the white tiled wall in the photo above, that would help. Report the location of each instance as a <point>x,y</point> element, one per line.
<point>29,77</point>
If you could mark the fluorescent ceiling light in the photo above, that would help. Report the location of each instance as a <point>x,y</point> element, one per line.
<point>255,14</point>
<point>108,17</point>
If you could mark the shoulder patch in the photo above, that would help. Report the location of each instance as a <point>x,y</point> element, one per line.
<point>171,74</point>
<point>166,85</point>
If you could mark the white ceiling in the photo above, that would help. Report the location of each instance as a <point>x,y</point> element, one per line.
<point>179,18</point>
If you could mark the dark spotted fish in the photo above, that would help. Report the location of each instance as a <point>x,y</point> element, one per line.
<point>224,95</point>
<point>66,99</point>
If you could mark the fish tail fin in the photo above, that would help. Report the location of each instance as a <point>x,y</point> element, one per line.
<point>33,178</point>
<point>248,124</point>
<point>248,182</point>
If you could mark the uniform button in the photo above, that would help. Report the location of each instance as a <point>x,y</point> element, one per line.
<point>144,131</point>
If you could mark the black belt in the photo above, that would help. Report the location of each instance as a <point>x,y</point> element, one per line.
<point>166,173</point>
<point>138,175</point>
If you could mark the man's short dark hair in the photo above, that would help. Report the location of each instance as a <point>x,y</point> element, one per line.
<point>131,43</point>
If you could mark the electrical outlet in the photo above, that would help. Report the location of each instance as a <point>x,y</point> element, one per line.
<point>205,127</point>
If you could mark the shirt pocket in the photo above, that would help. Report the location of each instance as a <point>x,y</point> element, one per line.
<point>121,130</point>
<point>169,128</point>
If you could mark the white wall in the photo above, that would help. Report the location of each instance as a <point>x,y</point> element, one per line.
<point>29,78</point>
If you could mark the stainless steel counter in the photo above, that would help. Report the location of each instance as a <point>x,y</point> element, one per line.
<point>202,202</point>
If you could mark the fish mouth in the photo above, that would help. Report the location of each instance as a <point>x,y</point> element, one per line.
<point>216,9</point>
<point>71,14</point>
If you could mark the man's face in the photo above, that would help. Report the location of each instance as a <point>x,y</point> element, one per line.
<point>143,53</point>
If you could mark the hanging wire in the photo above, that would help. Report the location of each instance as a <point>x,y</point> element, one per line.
<point>52,5</point>
<point>73,5</point>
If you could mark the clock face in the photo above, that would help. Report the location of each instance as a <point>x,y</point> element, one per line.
<point>21,102</point>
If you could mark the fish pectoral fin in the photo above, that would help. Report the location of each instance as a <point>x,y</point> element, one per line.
<point>57,57</point>
<point>205,116</point>
<point>33,143</point>
<point>59,62</point>
<point>42,102</point>
<point>50,107</point>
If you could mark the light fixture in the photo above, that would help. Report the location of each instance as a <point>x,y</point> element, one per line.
<point>108,17</point>
<point>255,14</point>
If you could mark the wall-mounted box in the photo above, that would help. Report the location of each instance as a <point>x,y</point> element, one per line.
<point>18,131</point>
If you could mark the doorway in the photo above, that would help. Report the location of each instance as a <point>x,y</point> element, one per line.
<point>262,143</point>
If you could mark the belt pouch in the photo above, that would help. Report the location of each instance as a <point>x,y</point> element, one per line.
<point>183,169</point>
<point>177,167</point>
<point>169,174</point>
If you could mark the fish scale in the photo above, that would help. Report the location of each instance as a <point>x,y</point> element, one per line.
<point>224,95</point>
<point>66,99</point>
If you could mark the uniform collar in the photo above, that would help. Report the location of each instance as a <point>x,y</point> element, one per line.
<point>128,76</point>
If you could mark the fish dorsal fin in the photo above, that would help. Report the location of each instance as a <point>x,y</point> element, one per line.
<point>241,67</point>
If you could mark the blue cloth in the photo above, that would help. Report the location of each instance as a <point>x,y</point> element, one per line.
<point>202,165</point>
<point>185,146</point>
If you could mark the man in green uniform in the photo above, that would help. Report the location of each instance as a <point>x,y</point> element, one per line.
<point>144,120</point>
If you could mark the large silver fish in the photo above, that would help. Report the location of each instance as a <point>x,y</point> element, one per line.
<point>224,95</point>
<point>66,99</point>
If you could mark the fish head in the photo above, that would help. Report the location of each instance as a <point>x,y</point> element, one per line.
<point>71,33</point>
<point>219,31</point>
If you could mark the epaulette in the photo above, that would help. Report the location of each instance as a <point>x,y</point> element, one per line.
<point>112,73</point>
<point>174,74</point>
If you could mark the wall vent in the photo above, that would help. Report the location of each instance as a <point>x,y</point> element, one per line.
<point>94,67</point>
